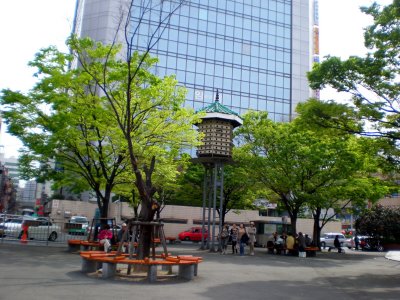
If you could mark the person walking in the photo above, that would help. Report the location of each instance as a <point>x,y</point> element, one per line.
<point>356,241</point>
<point>337,244</point>
<point>251,232</point>
<point>224,237</point>
<point>234,238</point>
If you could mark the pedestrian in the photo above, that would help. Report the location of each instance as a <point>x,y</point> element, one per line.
<point>105,236</point>
<point>223,238</point>
<point>301,244</point>
<point>356,241</point>
<point>243,238</point>
<point>234,238</point>
<point>251,232</point>
<point>337,244</point>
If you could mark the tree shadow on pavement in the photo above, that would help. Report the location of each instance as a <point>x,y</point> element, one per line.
<point>369,286</point>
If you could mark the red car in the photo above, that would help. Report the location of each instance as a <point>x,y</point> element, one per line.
<point>193,234</point>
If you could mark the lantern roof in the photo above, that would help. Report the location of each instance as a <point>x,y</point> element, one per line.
<point>216,110</point>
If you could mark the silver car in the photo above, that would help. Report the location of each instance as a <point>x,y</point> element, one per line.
<point>38,228</point>
<point>328,238</point>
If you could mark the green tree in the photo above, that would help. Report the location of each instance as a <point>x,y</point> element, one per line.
<point>149,115</point>
<point>238,189</point>
<point>356,183</point>
<point>303,169</point>
<point>68,135</point>
<point>371,81</point>
<point>380,222</point>
<point>189,189</point>
<point>149,125</point>
<point>148,110</point>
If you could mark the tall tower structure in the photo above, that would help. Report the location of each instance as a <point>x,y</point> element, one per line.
<point>315,38</point>
<point>256,52</point>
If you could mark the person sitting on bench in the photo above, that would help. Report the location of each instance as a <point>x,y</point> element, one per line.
<point>105,236</point>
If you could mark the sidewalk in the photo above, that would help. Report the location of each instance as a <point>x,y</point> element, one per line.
<point>36,272</point>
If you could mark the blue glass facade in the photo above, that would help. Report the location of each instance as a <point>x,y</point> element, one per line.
<point>243,48</point>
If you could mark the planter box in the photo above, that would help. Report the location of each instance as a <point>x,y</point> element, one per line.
<point>391,246</point>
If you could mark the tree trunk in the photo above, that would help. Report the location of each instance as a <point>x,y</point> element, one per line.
<point>293,222</point>
<point>144,241</point>
<point>317,228</point>
<point>145,231</point>
<point>104,201</point>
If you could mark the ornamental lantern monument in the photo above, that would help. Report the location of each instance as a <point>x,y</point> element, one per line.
<point>217,126</point>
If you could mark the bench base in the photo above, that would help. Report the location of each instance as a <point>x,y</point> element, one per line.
<point>186,272</point>
<point>311,251</point>
<point>73,248</point>
<point>109,270</point>
<point>186,269</point>
<point>89,266</point>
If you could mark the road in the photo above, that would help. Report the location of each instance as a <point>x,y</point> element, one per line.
<point>38,272</point>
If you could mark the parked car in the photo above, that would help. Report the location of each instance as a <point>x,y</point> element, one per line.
<point>13,226</point>
<point>81,227</point>
<point>44,230</point>
<point>38,228</point>
<point>193,234</point>
<point>352,244</point>
<point>327,239</point>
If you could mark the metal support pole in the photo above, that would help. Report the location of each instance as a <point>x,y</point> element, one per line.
<point>221,202</point>
<point>203,221</point>
<point>209,207</point>
<point>212,249</point>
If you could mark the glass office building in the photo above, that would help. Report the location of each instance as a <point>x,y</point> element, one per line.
<point>255,52</point>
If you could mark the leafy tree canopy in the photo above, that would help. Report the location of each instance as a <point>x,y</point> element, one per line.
<point>239,190</point>
<point>73,118</point>
<point>301,167</point>
<point>68,133</point>
<point>380,222</point>
<point>372,81</point>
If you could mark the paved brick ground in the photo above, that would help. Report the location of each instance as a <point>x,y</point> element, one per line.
<point>38,272</point>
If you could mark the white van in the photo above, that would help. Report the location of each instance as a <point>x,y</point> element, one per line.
<point>327,239</point>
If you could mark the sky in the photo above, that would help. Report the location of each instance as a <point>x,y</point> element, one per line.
<point>26,26</point>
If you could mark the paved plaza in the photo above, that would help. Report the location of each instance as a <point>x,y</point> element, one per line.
<point>39,272</point>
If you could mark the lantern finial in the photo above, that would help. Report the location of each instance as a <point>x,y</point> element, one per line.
<point>217,97</point>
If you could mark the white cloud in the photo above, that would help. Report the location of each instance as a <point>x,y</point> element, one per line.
<point>27,26</point>
<point>341,25</point>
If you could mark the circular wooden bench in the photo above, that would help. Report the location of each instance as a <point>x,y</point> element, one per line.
<point>311,251</point>
<point>188,265</point>
<point>76,245</point>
